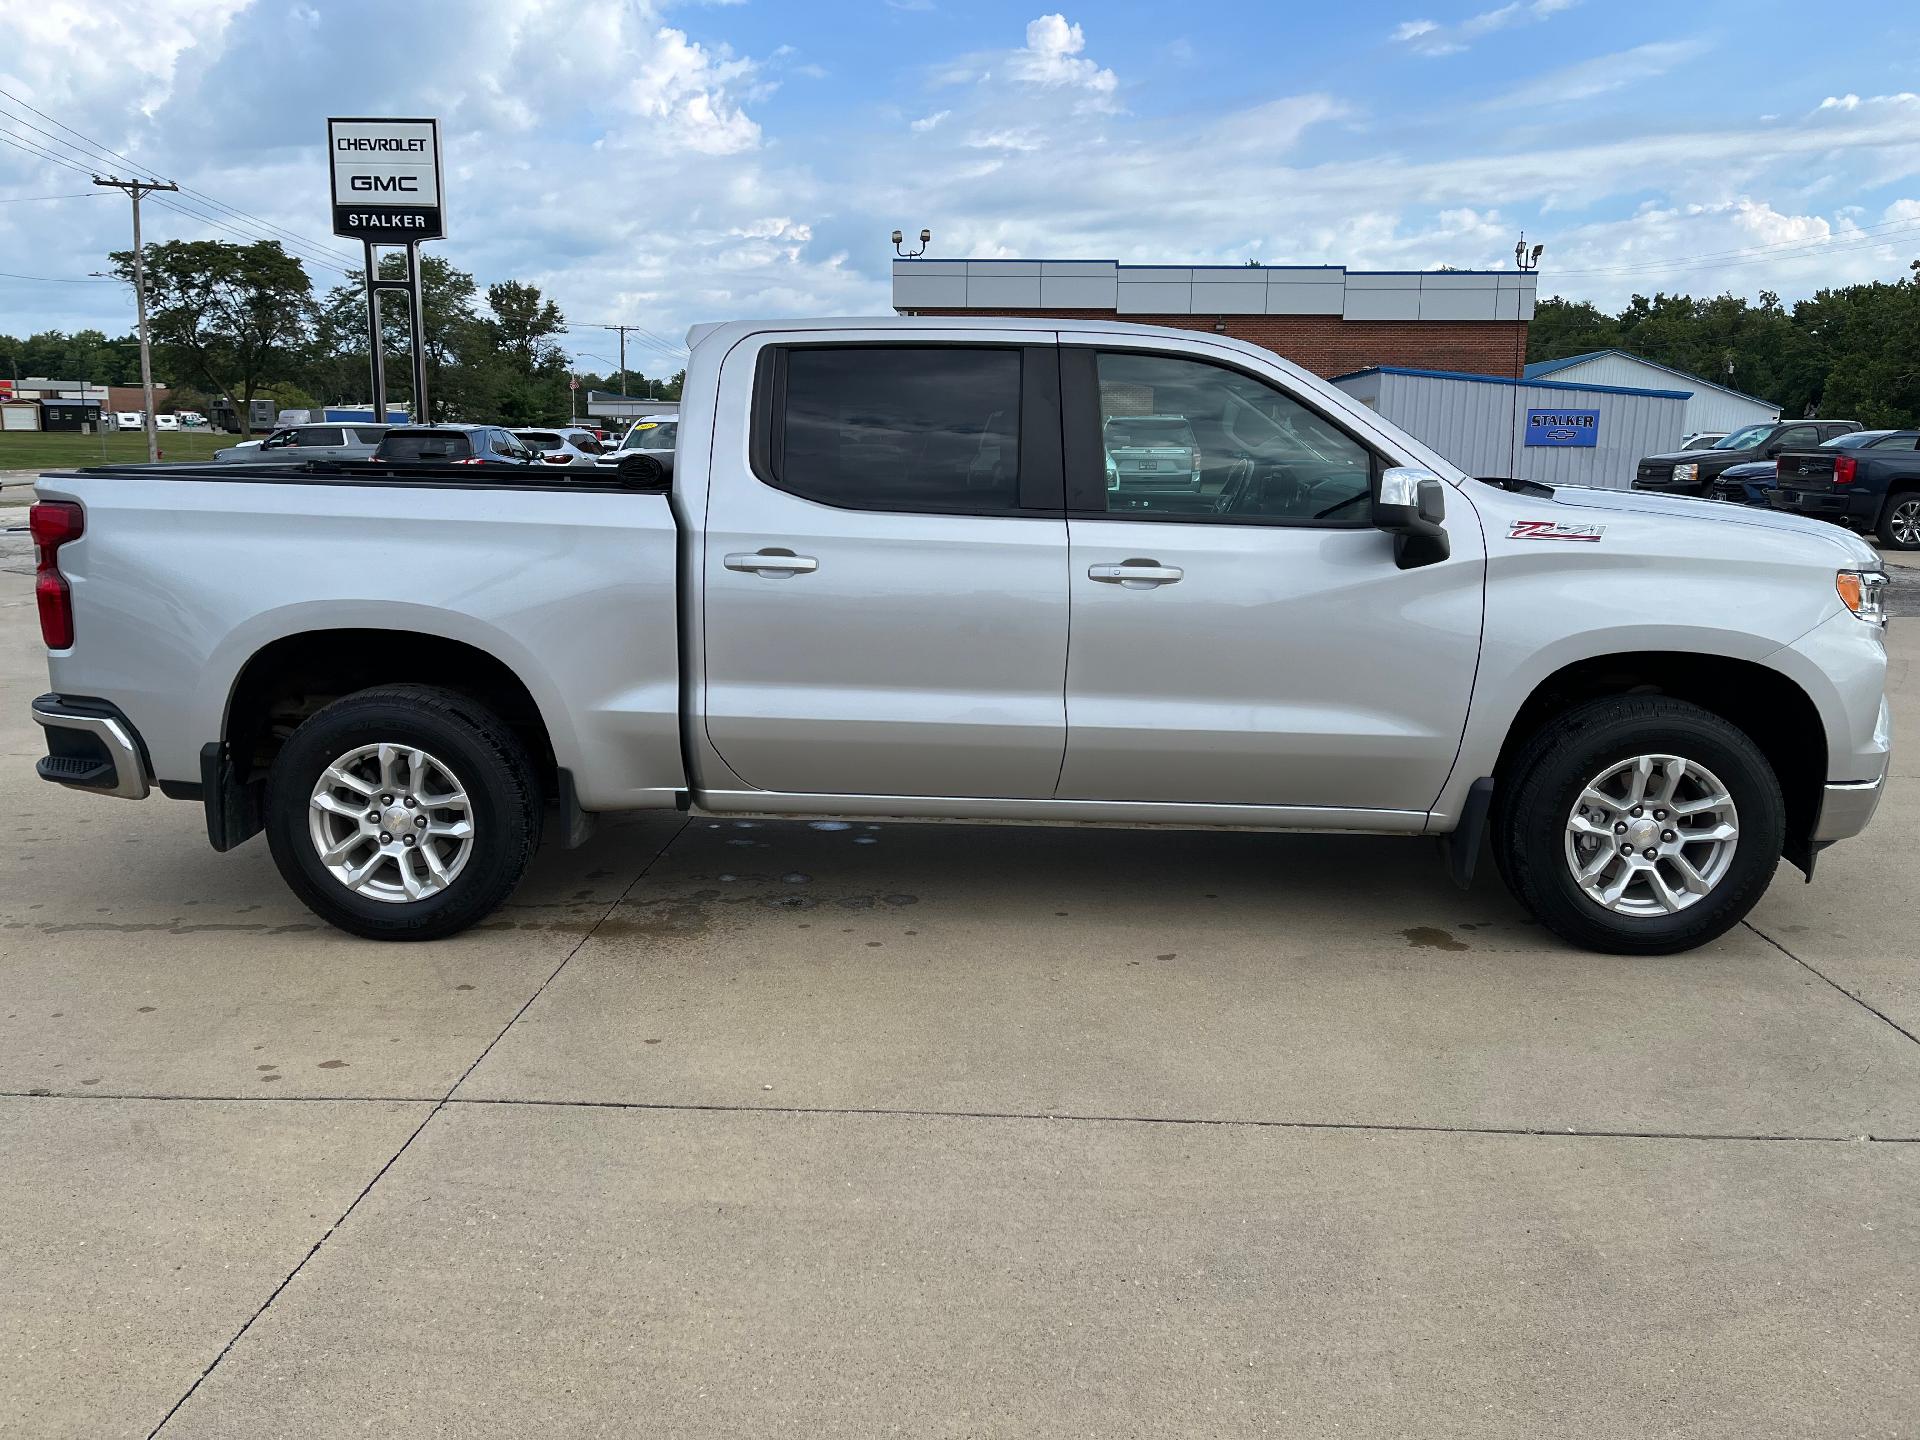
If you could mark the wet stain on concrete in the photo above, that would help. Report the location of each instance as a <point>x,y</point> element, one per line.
<point>463,987</point>
<point>333,1064</point>
<point>1170,955</point>
<point>1431,937</point>
<point>146,1009</point>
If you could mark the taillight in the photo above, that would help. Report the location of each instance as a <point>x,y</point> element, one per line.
<point>1843,469</point>
<point>556,459</point>
<point>52,523</point>
<point>471,460</point>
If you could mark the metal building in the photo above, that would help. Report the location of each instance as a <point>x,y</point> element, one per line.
<point>1711,406</point>
<point>1553,432</point>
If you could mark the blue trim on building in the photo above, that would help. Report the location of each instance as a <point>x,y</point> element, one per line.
<point>1523,383</point>
<point>1167,265</point>
<point>1549,367</point>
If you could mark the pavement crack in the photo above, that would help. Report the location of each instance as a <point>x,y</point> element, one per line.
<point>427,1120</point>
<point>1815,971</point>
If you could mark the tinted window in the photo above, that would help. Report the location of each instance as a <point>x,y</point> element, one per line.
<point>1798,435</point>
<point>540,440</point>
<point>316,435</point>
<point>1897,442</point>
<point>425,445</point>
<point>1185,440</point>
<point>899,428</point>
<point>365,436</point>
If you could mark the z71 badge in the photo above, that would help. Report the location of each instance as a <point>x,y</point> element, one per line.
<point>1551,530</point>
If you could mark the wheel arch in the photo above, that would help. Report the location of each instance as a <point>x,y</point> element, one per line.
<point>293,675</point>
<point>1769,707</point>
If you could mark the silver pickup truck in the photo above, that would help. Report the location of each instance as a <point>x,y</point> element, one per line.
<point>885,579</point>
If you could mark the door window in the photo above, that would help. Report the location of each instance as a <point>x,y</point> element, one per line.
<point>1186,440</point>
<point>1798,435</point>
<point>1895,442</point>
<point>913,428</point>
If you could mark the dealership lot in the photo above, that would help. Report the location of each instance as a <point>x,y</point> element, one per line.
<point>731,1127</point>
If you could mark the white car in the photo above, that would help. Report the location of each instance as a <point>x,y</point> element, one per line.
<point>127,420</point>
<point>566,445</point>
<point>166,422</point>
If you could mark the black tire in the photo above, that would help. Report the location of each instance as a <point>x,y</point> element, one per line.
<point>475,745</point>
<point>642,472</point>
<point>1884,532</point>
<point>1547,777</point>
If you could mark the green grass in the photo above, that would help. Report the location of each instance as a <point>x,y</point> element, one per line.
<point>37,450</point>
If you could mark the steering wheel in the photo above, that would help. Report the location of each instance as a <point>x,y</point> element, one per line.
<point>1238,484</point>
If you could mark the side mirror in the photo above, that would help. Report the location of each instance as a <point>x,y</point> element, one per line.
<point>1773,449</point>
<point>1410,504</point>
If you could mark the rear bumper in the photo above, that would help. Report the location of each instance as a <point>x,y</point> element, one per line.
<point>1851,508</point>
<point>90,746</point>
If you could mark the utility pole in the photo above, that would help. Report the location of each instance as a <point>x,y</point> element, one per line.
<point>135,189</point>
<point>622,329</point>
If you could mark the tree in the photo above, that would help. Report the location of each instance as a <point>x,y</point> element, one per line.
<point>534,367</point>
<point>460,381</point>
<point>1568,327</point>
<point>227,316</point>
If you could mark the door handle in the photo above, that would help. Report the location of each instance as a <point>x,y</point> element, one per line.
<point>774,564</point>
<point>1136,574</point>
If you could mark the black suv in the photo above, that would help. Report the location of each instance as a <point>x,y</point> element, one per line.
<point>453,445</point>
<point>1692,472</point>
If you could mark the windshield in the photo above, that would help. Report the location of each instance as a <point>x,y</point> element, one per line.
<point>1745,439</point>
<point>651,435</point>
<point>1854,439</point>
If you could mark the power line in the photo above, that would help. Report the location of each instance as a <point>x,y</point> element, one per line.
<point>55,279</point>
<point>7,137</point>
<point>337,258</point>
<point>23,199</point>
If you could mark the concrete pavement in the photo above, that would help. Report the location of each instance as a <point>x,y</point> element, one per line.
<point>729,1129</point>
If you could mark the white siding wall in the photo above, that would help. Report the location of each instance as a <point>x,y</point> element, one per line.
<point>1479,426</point>
<point>1709,409</point>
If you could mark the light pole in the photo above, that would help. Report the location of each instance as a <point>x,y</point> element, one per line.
<point>925,236</point>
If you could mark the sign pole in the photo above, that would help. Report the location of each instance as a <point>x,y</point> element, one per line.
<point>416,294</point>
<point>375,349</point>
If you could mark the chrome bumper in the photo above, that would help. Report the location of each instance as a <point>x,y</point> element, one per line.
<point>90,746</point>
<point>1846,809</point>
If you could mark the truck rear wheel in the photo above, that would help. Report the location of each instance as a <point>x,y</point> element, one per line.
<point>402,813</point>
<point>1899,527</point>
<point>1640,825</point>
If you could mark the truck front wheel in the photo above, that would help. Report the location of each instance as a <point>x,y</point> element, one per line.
<point>402,813</point>
<point>1639,825</point>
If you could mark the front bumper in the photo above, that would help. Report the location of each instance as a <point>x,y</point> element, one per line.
<point>1667,485</point>
<point>90,746</point>
<point>1846,809</point>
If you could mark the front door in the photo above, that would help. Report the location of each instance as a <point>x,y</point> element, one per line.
<point>1246,638</point>
<point>885,594</point>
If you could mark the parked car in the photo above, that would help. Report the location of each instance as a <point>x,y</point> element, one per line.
<point>166,422</point>
<point>1747,484</point>
<point>645,453</point>
<point>859,597</point>
<point>574,448</point>
<point>453,445</point>
<point>129,420</point>
<point>1868,481</point>
<point>1702,439</point>
<point>293,444</point>
<point>1151,452</point>
<point>1692,472</point>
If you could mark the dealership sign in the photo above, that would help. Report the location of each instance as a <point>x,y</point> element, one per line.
<point>1563,427</point>
<point>386,180</point>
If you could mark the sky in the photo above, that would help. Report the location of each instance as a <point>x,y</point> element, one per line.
<point>664,164</point>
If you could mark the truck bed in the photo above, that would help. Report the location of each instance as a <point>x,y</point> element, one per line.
<point>195,570</point>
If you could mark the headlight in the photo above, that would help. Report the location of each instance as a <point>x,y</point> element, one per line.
<point>1864,592</point>
<point>1685,472</point>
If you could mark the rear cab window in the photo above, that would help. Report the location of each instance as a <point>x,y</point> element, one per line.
<point>930,429</point>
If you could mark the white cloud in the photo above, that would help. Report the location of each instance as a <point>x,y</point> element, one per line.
<point>928,122</point>
<point>1431,38</point>
<point>1603,74</point>
<point>1052,58</point>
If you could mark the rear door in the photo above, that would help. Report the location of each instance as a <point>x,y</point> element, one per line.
<point>885,598</point>
<point>1253,643</point>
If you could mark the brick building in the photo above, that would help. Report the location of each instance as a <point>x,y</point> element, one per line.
<point>1327,318</point>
